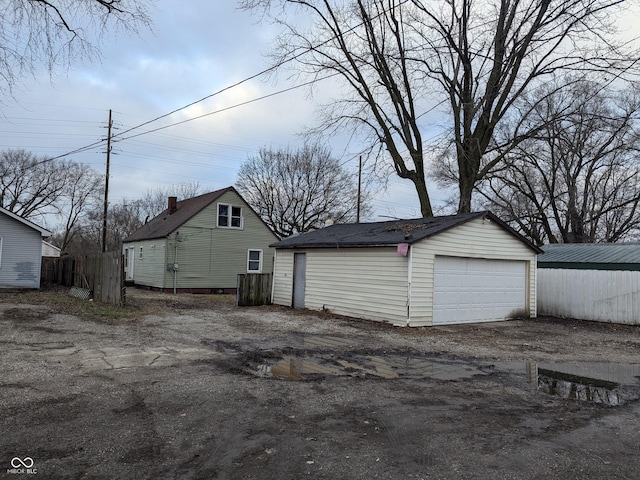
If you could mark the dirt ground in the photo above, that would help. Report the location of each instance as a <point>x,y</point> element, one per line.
<point>186,387</point>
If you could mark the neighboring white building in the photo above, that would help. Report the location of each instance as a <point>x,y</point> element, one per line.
<point>420,272</point>
<point>49,250</point>
<point>590,281</point>
<point>20,251</point>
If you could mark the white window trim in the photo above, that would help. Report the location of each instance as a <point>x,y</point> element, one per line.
<point>230,207</point>
<point>259,261</point>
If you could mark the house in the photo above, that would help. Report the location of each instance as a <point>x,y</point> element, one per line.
<point>20,251</point>
<point>427,271</point>
<point>590,281</point>
<point>200,245</point>
<point>50,250</point>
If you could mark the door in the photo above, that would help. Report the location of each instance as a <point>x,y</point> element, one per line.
<point>128,263</point>
<point>469,290</point>
<point>299,278</point>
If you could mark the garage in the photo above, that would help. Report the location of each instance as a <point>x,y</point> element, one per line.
<point>418,272</point>
<point>470,290</point>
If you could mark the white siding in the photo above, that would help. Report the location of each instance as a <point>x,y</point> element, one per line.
<point>476,239</point>
<point>21,254</point>
<point>599,295</point>
<point>358,282</point>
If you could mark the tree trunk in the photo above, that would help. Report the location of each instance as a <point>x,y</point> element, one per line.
<point>423,196</point>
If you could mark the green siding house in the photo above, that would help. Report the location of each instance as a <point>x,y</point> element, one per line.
<point>200,245</point>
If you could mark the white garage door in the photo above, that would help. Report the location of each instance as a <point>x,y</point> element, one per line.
<point>468,290</point>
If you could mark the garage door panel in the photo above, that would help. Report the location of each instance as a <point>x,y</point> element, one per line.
<point>477,290</point>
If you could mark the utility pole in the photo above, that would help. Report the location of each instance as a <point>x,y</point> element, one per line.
<point>106,188</point>
<point>359,188</point>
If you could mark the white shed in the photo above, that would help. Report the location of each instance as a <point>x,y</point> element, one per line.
<point>421,272</point>
<point>20,251</point>
<point>590,281</point>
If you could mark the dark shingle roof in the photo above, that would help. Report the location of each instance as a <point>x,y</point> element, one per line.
<point>164,224</point>
<point>610,256</point>
<point>387,233</point>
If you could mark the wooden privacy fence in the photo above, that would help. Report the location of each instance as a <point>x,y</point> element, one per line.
<point>253,289</point>
<point>102,275</point>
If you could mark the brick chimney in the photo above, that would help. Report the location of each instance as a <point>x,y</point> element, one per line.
<point>173,204</point>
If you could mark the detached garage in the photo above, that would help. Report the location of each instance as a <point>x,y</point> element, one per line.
<point>421,272</point>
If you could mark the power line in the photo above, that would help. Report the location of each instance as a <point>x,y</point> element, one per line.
<point>279,92</point>
<point>256,75</point>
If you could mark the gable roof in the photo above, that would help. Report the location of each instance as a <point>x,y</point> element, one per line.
<point>593,256</point>
<point>43,231</point>
<point>165,223</point>
<point>389,233</point>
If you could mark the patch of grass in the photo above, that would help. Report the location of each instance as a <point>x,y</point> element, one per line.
<point>138,303</point>
<point>58,300</point>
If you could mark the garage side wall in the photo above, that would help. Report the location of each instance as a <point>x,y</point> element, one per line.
<point>479,238</point>
<point>366,283</point>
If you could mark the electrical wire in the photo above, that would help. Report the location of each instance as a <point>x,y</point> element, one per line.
<point>256,75</point>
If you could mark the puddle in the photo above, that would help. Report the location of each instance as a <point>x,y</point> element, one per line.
<point>608,384</point>
<point>603,383</point>
<point>387,367</point>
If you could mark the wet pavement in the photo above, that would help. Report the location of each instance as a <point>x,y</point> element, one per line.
<point>603,383</point>
<point>270,393</point>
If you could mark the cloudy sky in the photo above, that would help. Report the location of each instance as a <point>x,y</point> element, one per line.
<point>196,49</point>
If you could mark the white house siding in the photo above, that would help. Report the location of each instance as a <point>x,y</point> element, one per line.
<point>283,278</point>
<point>21,254</point>
<point>358,282</point>
<point>598,295</point>
<point>212,257</point>
<point>476,239</point>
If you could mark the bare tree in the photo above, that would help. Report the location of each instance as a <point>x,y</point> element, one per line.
<point>123,219</point>
<point>81,195</point>
<point>294,191</point>
<point>31,185</point>
<point>578,180</point>
<point>154,200</point>
<point>399,58</point>
<point>54,33</point>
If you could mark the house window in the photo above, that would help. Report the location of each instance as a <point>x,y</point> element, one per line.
<point>140,252</point>
<point>254,261</point>
<point>229,216</point>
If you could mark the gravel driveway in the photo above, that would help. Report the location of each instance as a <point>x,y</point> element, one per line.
<point>196,388</point>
